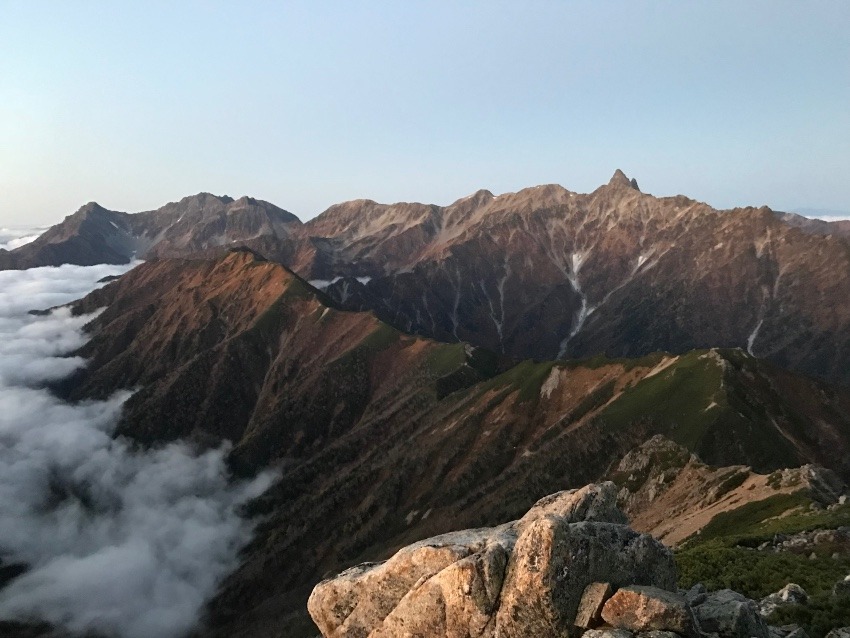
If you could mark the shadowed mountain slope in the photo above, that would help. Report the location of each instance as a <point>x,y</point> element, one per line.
<point>383,438</point>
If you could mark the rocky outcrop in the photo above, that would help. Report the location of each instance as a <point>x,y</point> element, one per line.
<point>791,594</point>
<point>728,613</point>
<point>669,492</point>
<point>640,609</point>
<point>842,587</point>
<point>809,541</point>
<point>554,561</point>
<point>569,567</point>
<point>524,578</point>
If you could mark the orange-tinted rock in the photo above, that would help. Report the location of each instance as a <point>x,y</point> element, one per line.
<point>639,609</point>
<point>589,614</point>
<point>525,578</point>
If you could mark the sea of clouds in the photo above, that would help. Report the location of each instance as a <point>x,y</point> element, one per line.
<point>118,541</point>
<point>11,238</point>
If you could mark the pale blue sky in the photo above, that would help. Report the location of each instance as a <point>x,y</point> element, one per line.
<point>309,103</point>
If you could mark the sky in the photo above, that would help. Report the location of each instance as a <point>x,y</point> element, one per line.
<point>306,104</point>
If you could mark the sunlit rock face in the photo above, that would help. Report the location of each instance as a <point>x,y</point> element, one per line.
<point>524,578</point>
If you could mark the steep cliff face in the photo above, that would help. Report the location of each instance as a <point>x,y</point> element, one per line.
<point>384,438</point>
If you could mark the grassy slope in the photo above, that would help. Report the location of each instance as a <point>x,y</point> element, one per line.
<point>723,556</point>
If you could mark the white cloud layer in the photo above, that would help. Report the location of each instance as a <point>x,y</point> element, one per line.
<point>119,541</point>
<point>11,238</point>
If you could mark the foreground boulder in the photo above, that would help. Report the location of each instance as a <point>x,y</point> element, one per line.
<point>728,613</point>
<point>791,594</point>
<point>650,609</point>
<point>524,578</point>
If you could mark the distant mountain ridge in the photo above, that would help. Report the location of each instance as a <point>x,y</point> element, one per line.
<point>826,214</point>
<point>197,224</point>
<point>817,225</point>
<point>541,273</point>
<point>547,273</point>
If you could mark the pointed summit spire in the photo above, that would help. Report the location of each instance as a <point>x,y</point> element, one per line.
<point>619,179</point>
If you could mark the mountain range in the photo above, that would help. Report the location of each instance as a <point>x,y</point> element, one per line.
<point>543,273</point>
<point>413,369</point>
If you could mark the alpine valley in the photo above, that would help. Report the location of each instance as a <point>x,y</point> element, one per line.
<point>411,370</point>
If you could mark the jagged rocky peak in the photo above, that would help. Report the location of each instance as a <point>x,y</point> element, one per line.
<point>88,216</point>
<point>481,196</point>
<point>656,465</point>
<point>200,203</point>
<point>367,218</point>
<point>619,179</point>
<point>460,212</point>
<point>245,202</point>
<point>206,203</point>
<point>91,208</point>
<point>540,197</point>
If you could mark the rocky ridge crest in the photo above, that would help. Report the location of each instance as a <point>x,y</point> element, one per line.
<point>669,492</point>
<point>543,273</point>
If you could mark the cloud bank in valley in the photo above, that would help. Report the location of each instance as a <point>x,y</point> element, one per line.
<point>117,541</point>
<point>11,238</point>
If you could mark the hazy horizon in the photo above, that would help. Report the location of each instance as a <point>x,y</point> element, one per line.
<point>309,104</point>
